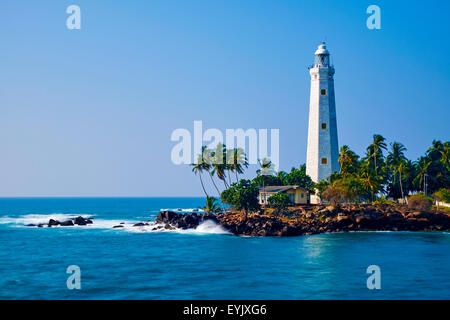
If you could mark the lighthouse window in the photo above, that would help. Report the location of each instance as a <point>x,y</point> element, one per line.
<point>324,126</point>
<point>323,92</point>
<point>324,160</point>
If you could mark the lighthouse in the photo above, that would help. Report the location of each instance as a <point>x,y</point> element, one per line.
<point>322,152</point>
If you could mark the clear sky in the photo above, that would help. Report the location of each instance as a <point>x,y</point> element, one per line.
<point>90,112</point>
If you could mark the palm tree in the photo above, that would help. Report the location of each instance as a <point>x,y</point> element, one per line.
<point>396,160</point>
<point>370,182</point>
<point>422,168</point>
<point>400,170</point>
<point>198,168</point>
<point>266,170</point>
<point>219,166</point>
<point>375,150</point>
<point>446,155</point>
<point>237,160</point>
<point>211,205</point>
<point>207,159</point>
<point>344,158</point>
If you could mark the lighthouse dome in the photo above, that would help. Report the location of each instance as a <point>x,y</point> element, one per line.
<point>322,49</point>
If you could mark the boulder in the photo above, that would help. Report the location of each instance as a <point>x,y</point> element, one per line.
<point>67,223</point>
<point>140,224</point>
<point>118,226</point>
<point>80,221</point>
<point>52,222</point>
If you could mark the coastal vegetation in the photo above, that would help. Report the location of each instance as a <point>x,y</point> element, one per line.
<point>383,175</point>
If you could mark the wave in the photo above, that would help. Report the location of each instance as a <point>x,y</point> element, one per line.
<point>184,210</point>
<point>207,227</point>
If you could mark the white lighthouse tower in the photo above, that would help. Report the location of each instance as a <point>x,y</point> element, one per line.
<point>322,153</point>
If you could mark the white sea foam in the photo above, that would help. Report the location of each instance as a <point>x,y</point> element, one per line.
<point>207,227</point>
<point>183,210</point>
<point>39,218</point>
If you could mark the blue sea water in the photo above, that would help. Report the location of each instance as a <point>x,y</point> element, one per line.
<point>138,263</point>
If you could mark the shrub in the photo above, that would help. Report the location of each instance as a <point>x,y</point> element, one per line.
<point>279,201</point>
<point>420,202</point>
<point>442,195</point>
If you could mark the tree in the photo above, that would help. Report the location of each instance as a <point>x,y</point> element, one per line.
<point>198,168</point>
<point>237,160</point>
<point>395,161</point>
<point>298,177</point>
<point>348,160</point>
<point>442,195</point>
<point>321,186</point>
<point>242,196</point>
<point>266,170</point>
<point>279,201</point>
<point>375,150</point>
<point>219,166</point>
<point>211,205</point>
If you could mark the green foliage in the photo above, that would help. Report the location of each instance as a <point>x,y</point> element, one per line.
<point>242,196</point>
<point>279,201</point>
<point>296,177</point>
<point>442,195</point>
<point>420,202</point>
<point>211,205</point>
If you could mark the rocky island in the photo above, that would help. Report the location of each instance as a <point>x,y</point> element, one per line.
<point>315,220</point>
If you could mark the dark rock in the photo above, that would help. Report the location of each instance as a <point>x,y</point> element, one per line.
<point>140,224</point>
<point>67,223</point>
<point>80,221</point>
<point>118,226</point>
<point>52,222</point>
<point>30,225</point>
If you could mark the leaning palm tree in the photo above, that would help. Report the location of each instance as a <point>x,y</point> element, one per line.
<point>376,149</point>
<point>219,166</point>
<point>197,168</point>
<point>211,205</point>
<point>207,158</point>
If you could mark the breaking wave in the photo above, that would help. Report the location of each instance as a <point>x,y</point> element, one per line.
<point>207,227</point>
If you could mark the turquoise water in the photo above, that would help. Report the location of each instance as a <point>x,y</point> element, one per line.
<point>137,263</point>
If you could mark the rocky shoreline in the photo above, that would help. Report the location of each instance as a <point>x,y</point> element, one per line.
<point>80,221</point>
<point>315,220</point>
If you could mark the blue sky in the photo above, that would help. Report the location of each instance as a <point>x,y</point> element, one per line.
<point>90,112</point>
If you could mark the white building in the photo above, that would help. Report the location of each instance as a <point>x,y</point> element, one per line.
<point>322,153</point>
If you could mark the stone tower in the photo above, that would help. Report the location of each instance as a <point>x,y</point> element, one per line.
<point>322,153</point>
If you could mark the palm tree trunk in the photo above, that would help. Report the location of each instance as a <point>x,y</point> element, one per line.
<point>237,180</point>
<point>203,186</point>
<point>401,187</point>
<point>215,186</point>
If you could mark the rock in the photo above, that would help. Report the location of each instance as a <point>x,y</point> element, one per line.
<point>89,221</point>
<point>168,227</point>
<point>52,222</point>
<point>140,224</point>
<point>67,223</point>
<point>118,226</point>
<point>30,225</point>
<point>80,221</point>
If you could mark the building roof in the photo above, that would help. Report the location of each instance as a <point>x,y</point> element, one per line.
<point>276,189</point>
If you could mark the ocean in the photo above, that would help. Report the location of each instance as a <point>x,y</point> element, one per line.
<point>206,263</point>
